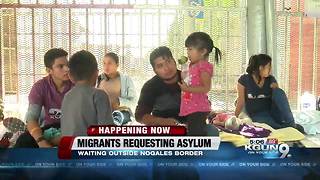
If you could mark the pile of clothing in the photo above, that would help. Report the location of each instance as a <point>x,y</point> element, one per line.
<point>239,130</point>
<point>229,123</point>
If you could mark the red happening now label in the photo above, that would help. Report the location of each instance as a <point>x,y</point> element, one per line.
<point>136,130</point>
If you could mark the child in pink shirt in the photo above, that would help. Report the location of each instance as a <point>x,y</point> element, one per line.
<point>195,105</point>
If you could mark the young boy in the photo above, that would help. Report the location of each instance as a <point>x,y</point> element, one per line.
<point>84,105</point>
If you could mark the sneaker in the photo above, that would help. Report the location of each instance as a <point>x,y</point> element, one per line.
<point>300,128</point>
<point>14,124</point>
<point>232,123</point>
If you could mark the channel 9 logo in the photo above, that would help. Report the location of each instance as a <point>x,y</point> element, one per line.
<point>269,148</point>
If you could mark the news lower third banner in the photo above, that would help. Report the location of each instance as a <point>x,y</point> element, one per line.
<point>106,141</point>
<point>146,152</point>
<point>155,142</point>
<point>91,147</point>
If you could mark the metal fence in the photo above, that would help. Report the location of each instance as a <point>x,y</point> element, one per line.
<point>298,47</point>
<point>130,28</point>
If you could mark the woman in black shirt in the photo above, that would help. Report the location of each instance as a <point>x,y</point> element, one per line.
<point>259,93</point>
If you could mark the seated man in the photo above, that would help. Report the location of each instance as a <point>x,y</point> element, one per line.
<point>159,102</point>
<point>48,93</point>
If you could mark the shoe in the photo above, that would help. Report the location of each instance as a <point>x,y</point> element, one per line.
<point>299,128</point>
<point>14,124</point>
<point>232,123</point>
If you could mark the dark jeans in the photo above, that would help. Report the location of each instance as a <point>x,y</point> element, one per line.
<point>25,140</point>
<point>280,115</point>
<point>196,124</point>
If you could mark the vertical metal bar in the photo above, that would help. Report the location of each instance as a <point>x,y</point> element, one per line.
<point>212,33</point>
<point>288,58</point>
<point>193,21</point>
<point>51,28</point>
<point>244,40</point>
<point>70,49</point>
<point>226,64</point>
<point>87,33</point>
<point>300,60</point>
<point>1,63</point>
<point>315,58</point>
<point>141,32</point>
<point>16,50</point>
<point>183,33</point>
<point>123,39</point>
<point>175,34</point>
<point>159,28</point>
<point>271,41</point>
<point>210,22</point>
<point>8,48</point>
<point>286,54</point>
<point>33,46</point>
<point>212,79</point>
<point>105,31</point>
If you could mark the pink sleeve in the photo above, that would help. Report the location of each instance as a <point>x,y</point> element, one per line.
<point>206,67</point>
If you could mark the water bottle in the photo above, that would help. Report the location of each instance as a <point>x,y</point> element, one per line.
<point>185,75</point>
<point>185,72</point>
<point>308,102</point>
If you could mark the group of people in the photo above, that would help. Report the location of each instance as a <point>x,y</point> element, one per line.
<point>74,96</point>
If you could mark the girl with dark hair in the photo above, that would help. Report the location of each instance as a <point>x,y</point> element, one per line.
<point>195,105</point>
<point>260,96</point>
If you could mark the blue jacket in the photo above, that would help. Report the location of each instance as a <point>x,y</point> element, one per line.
<point>127,90</point>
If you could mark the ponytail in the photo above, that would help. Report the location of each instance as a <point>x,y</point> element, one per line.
<point>252,65</point>
<point>217,56</point>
